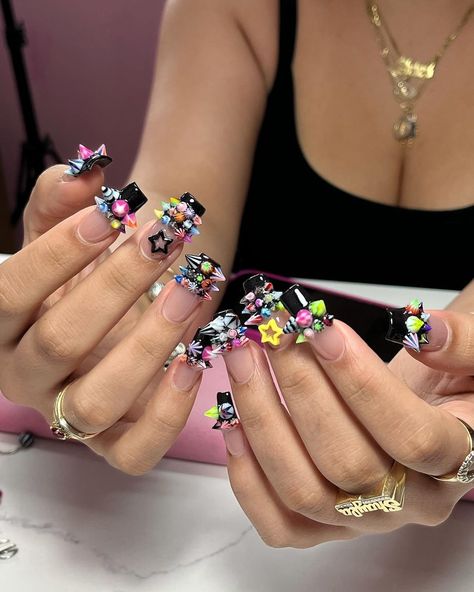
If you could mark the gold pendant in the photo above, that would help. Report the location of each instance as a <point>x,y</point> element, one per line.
<point>406,67</point>
<point>405,129</point>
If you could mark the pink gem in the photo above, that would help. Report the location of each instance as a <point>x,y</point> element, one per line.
<point>232,333</point>
<point>308,333</point>
<point>250,296</point>
<point>207,354</point>
<point>259,302</point>
<point>84,152</point>
<point>182,207</point>
<point>304,318</point>
<point>120,208</point>
<point>236,343</point>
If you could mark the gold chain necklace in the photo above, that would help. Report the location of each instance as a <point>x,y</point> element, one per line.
<point>408,76</point>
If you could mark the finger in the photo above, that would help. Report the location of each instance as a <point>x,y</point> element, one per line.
<point>56,196</point>
<point>451,346</point>
<point>34,273</point>
<point>274,440</point>
<point>68,331</point>
<point>104,395</point>
<point>136,448</point>
<point>277,525</point>
<point>342,449</point>
<point>425,438</point>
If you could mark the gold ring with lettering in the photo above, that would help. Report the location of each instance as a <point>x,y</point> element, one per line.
<point>388,496</point>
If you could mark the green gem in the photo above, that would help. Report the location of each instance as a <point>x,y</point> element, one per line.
<point>317,308</point>
<point>318,325</point>
<point>414,324</point>
<point>206,267</point>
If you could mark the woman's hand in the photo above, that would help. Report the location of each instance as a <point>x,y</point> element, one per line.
<point>349,417</point>
<point>63,318</point>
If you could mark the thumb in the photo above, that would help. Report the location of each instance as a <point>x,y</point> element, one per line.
<point>451,343</point>
<point>56,196</point>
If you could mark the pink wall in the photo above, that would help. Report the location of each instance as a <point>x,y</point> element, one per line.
<point>90,65</point>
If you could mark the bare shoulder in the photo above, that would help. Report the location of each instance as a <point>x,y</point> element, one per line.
<point>257,22</point>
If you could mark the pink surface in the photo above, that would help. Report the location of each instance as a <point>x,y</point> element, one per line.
<point>197,441</point>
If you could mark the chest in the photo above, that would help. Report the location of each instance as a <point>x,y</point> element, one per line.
<point>345,108</point>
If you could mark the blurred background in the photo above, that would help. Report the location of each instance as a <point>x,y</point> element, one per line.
<point>90,67</point>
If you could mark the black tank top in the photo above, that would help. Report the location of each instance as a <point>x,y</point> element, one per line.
<point>320,231</point>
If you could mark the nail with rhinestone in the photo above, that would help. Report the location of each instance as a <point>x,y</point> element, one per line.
<point>224,412</point>
<point>120,205</point>
<point>200,276</point>
<point>86,159</point>
<point>183,215</point>
<point>409,325</point>
<point>308,317</point>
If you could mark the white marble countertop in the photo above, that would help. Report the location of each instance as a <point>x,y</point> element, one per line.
<point>83,526</point>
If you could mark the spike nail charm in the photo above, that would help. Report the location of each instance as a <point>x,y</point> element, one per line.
<point>224,412</point>
<point>200,276</point>
<point>86,159</point>
<point>409,325</point>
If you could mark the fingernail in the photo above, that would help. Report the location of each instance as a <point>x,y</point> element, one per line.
<point>182,215</point>
<point>68,176</point>
<point>185,376</point>
<point>409,326</point>
<point>200,276</point>
<point>179,304</point>
<point>119,206</point>
<point>240,364</point>
<point>94,227</point>
<point>329,343</point>
<point>157,242</point>
<point>86,159</point>
<point>234,441</point>
<point>438,336</point>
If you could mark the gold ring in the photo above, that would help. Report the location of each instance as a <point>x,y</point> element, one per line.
<point>387,496</point>
<point>60,427</point>
<point>465,473</point>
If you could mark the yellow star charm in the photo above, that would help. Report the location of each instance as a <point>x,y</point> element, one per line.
<point>270,332</point>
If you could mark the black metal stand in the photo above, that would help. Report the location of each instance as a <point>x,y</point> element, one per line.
<point>35,151</point>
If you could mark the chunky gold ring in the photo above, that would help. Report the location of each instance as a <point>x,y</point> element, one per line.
<point>465,473</point>
<point>387,496</point>
<point>60,427</point>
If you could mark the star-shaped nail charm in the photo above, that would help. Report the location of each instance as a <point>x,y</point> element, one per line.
<point>270,332</point>
<point>160,242</point>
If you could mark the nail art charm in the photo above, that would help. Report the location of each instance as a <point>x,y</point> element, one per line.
<point>183,214</point>
<point>224,412</point>
<point>308,317</point>
<point>225,332</point>
<point>119,205</point>
<point>200,276</point>
<point>409,325</point>
<point>260,299</point>
<point>86,159</point>
<point>219,336</point>
<point>200,351</point>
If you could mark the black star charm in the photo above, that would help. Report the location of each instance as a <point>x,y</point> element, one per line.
<point>160,242</point>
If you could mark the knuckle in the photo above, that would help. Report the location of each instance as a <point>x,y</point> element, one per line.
<point>52,340</point>
<point>117,281</point>
<point>10,302</point>
<point>295,383</point>
<point>167,425</point>
<point>276,538</point>
<point>147,348</point>
<point>424,446</point>
<point>359,389</point>
<point>304,501</point>
<point>127,463</point>
<point>355,473</point>
<point>87,413</point>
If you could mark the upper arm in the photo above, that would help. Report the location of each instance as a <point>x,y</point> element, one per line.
<point>205,110</point>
